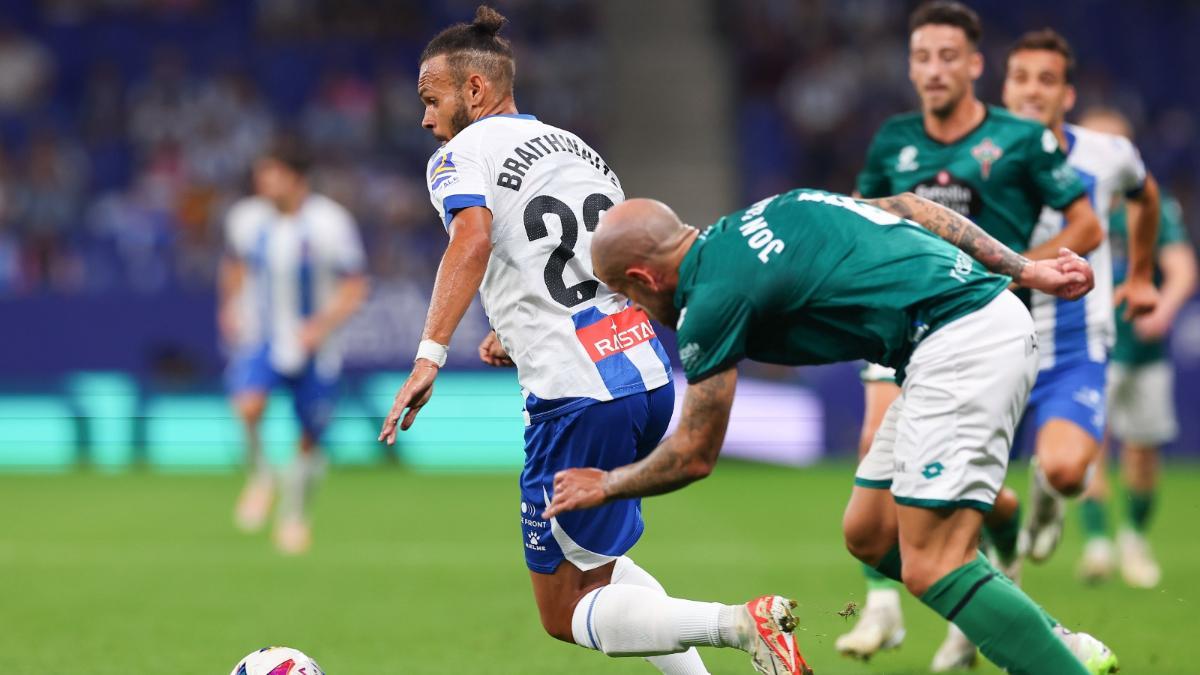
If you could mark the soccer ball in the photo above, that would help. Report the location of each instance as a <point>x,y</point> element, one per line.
<point>277,661</point>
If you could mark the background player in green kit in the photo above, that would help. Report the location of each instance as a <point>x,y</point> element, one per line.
<point>1141,398</point>
<point>810,277</point>
<point>990,166</point>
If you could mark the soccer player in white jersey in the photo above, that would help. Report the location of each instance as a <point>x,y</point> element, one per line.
<point>293,273</point>
<point>1068,403</point>
<point>519,199</point>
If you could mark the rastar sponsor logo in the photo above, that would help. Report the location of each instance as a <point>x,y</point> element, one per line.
<point>617,333</point>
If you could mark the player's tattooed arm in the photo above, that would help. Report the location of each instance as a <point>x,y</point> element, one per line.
<point>1067,276</point>
<point>691,452</point>
<point>685,457</point>
<point>957,230</point>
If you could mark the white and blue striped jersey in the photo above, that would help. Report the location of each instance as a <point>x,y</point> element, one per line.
<point>293,264</point>
<point>574,341</point>
<point>1111,169</point>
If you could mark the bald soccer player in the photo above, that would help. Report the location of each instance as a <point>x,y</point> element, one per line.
<point>811,277</point>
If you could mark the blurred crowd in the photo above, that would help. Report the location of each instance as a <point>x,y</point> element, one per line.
<point>127,127</point>
<point>816,79</point>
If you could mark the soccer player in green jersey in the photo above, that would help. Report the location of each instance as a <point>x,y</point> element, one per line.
<point>1140,378</point>
<point>811,277</point>
<point>990,166</point>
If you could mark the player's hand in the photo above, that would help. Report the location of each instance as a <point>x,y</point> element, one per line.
<point>1068,276</point>
<point>492,352</point>
<point>312,334</point>
<point>1139,295</point>
<point>1152,327</point>
<point>576,489</point>
<point>413,396</point>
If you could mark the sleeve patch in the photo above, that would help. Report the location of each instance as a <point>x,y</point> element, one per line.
<point>443,171</point>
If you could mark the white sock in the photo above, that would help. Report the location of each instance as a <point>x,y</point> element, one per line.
<point>256,459</point>
<point>629,620</point>
<point>687,663</point>
<point>298,485</point>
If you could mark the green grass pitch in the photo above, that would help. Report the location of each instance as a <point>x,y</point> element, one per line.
<point>423,573</point>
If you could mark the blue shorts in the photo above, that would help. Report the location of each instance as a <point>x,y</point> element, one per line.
<point>1073,391</point>
<point>602,435</point>
<point>312,395</point>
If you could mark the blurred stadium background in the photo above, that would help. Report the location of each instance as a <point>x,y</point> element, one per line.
<point>127,128</point>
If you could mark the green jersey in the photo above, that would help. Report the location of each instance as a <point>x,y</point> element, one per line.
<point>811,277</point>
<point>999,175</point>
<point>1129,349</point>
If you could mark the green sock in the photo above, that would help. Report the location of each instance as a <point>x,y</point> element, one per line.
<point>1095,517</point>
<point>888,568</point>
<point>1004,536</point>
<point>1009,628</point>
<point>876,580</point>
<point>1141,505</point>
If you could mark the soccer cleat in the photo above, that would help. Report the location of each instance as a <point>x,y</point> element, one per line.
<point>1139,569</point>
<point>293,536</point>
<point>1092,653</point>
<point>1098,561</point>
<point>880,627</point>
<point>254,504</point>
<point>774,651</point>
<point>957,652</point>
<point>1039,537</point>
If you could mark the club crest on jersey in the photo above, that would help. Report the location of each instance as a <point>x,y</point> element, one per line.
<point>907,159</point>
<point>616,333</point>
<point>442,171</point>
<point>986,153</point>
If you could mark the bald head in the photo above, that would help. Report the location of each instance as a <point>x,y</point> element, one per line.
<point>636,251</point>
<point>637,232</point>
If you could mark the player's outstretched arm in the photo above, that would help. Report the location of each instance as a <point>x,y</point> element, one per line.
<point>684,457</point>
<point>1067,276</point>
<point>458,279</point>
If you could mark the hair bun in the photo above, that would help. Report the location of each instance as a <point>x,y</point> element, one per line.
<point>488,20</point>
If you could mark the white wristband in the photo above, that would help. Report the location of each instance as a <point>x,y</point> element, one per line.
<point>432,351</point>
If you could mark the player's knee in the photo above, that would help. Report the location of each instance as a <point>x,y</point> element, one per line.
<point>1067,474</point>
<point>250,408</point>
<point>865,541</point>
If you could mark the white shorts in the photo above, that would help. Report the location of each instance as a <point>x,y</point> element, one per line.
<point>944,443</point>
<point>1141,403</point>
<point>873,372</point>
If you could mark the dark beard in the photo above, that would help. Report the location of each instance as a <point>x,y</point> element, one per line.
<point>459,120</point>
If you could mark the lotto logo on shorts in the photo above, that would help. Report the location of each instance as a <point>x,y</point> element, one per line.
<point>933,470</point>
<point>617,333</point>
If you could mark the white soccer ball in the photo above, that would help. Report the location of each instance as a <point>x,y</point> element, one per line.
<point>277,661</point>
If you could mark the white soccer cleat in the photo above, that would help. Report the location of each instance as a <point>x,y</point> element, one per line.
<point>1043,529</point>
<point>1139,569</point>
<point>1092,653</point>
<point>880,627</point>
<point>293,536</point>
<point>956,653</point>
<point>1098,561</point>
<point>773,650</point>
<point>254,504</point>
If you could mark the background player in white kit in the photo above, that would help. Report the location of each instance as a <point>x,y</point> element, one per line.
<point>520,199</point>
<point>292,275</point>
<point>1067,405</point>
